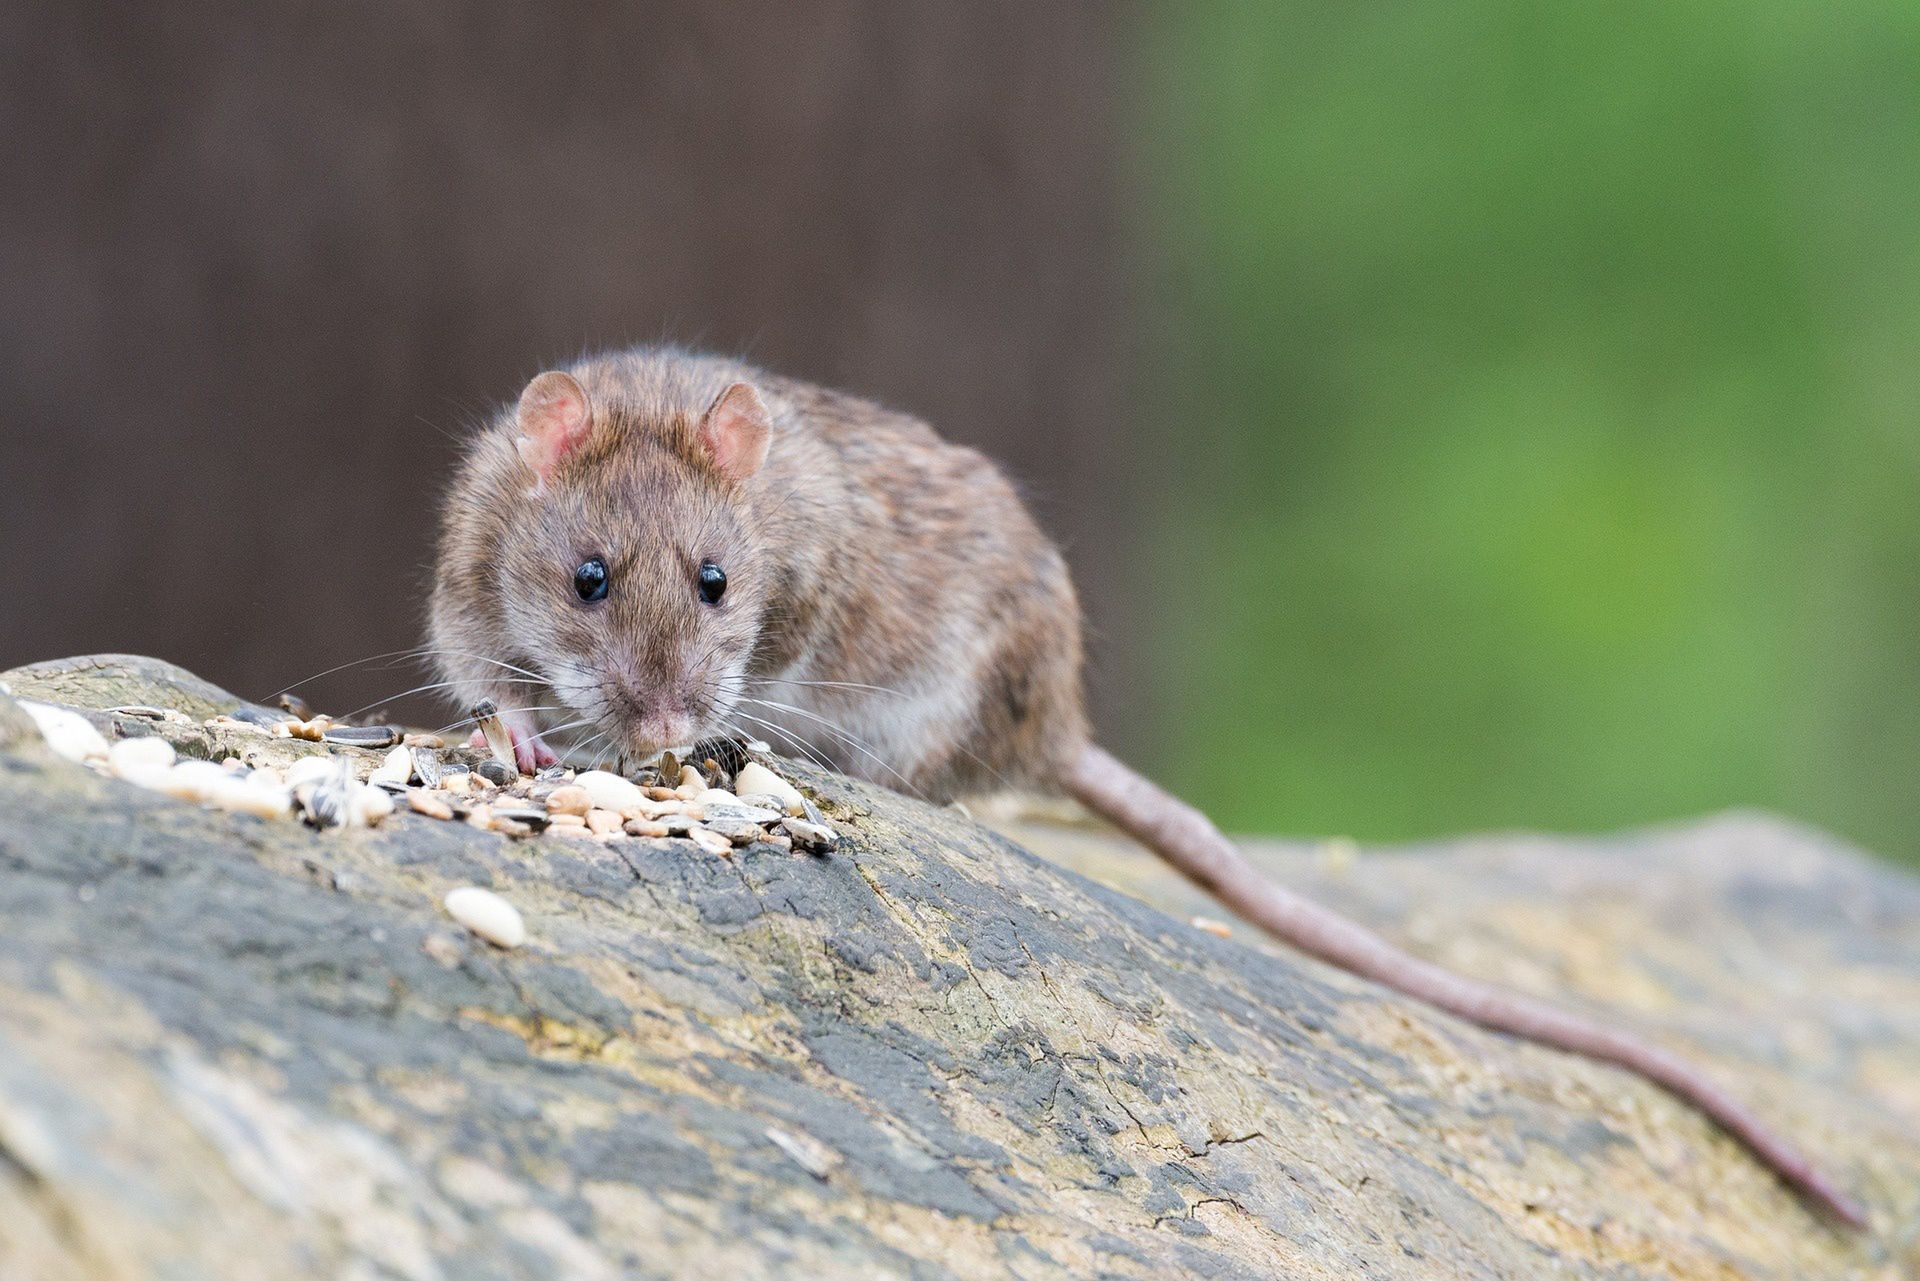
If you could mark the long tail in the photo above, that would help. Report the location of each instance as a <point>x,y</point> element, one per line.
<point>1185,838</point>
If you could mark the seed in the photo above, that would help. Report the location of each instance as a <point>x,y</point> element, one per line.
<point>67,732</point>
<point>266,776</point>
<point>676,824</point>
<point>131,756</point>
<point>526,815</point>
<point>691,777</point>
<point>739,831</point>
<point>396,768</point>
<point>141,710</point>
<point>375,736</point>
<point>369,807</point>
<point>486,714</point>
<point>741,813</point>
<point>313,731</point>
<point>602,822</point>
<point>427,803</point>
<point>574,830</point>
<point>194,780</point>
<point>669,765</point>
<point>755,777</point>
<point>426,765</point>
<point>567,820</point>
<point>254,714</point>
<point>456,779</point>
<point>812,836</point>
<point>570,800</point>
<point>711,842</point>
<point>310,769</point>
<point>646,827</point>
<point>480,816</point>
<point>297,705</point>
<point>716,796</point>
<point>426,742</point>
<point>610,791</point>
<point>244,796</point>
<point>488,915</point>
<point>496,773</point>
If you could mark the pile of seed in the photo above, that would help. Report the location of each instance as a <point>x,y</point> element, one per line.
<point>715,807</point>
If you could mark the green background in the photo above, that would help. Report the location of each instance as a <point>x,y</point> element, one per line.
<point>1540,390</point>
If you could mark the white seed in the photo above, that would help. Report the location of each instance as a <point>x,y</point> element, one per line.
<point>602,822</point>
<point>370,805</point>
<point>711,842</point>
<point>195,780</point>
<point>488,915</point>
<point>755,777</point>
<point>67,732</point>
<point>140,756</point>
<point>311,769</point>
<point>396,768</point>
<point>242,796</point>
<point>610,791</point>
<point>716,796</point>
<point>691,777</point>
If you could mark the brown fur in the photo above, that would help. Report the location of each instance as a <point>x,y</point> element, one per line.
<point>867,551</point>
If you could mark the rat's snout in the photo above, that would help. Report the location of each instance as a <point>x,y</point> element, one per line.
<point>653,716</point>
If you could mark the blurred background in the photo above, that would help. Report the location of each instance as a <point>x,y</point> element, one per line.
<point>1459,415</point>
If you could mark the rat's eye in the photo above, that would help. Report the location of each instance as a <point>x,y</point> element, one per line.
<point>713,582</point>
<point>590,580</point>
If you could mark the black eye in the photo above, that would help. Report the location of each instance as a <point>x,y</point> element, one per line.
<point>590,580</point>
<point>713,582</point>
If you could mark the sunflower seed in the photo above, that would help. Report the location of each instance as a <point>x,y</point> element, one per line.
<point>496,773</point>
<point>812,836</point>
<point>363,735</point>
<point>486,714</point>
<point>427,767</point>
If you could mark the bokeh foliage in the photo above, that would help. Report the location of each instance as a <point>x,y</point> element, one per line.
<point>1540,393</point>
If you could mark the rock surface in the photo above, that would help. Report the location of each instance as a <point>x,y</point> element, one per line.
<point>236,1048</point>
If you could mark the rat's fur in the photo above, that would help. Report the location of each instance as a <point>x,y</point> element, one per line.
<point>891,609</point>
<point>866,552</point>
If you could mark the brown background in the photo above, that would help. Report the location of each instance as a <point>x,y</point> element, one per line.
<point>262,265</point>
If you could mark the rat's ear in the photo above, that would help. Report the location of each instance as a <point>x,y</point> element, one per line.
<point>554,420</point>
<point>735,431</point>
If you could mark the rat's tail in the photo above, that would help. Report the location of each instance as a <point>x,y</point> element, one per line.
<point>1185,838</point>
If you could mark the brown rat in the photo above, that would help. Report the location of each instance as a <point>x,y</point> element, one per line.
<point>663,546</point>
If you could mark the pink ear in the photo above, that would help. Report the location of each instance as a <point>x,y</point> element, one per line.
<point>553,419</point>
<point>735,432</point>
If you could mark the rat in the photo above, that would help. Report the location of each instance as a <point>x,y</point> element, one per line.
<point>654,546</point>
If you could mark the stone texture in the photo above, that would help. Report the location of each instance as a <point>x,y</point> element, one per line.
<point>236,1048</point>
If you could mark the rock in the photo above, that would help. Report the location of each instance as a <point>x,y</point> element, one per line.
<point>233,1049</point>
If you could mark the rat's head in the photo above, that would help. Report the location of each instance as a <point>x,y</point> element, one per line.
<point>635,582</point>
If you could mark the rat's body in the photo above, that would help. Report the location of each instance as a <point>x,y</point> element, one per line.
<point>885,603</point>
